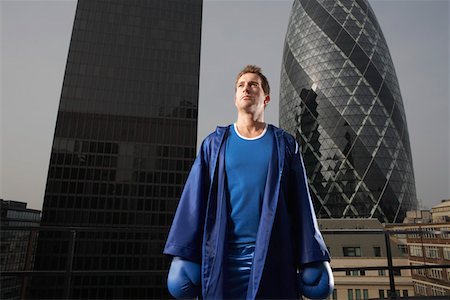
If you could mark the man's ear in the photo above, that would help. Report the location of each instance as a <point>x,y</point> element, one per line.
<point>266,100</point>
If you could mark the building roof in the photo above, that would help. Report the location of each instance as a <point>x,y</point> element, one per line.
<point>444,203</point>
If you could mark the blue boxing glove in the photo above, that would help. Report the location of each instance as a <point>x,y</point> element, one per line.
<point>184,279</point>
<point>316,280</point>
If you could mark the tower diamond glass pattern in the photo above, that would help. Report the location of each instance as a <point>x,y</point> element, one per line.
<point>340,98</point>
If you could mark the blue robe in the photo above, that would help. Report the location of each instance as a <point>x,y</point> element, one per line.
<point>288,235</point>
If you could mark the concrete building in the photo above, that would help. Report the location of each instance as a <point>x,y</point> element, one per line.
<point>16,246</point>
<point>428,244</point>
<point>352,250</point>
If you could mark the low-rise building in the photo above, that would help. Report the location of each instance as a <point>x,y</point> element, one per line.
<point>16,246</point>
<point>428,244</point>
<point>350,249</point>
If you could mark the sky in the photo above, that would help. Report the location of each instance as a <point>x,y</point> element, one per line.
<point>34,43</point>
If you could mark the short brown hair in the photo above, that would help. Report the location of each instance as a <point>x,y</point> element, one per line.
<point>256,70</point>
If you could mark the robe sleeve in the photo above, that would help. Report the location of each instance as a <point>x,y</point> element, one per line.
<point>186,233</point>
<point>309,241</point>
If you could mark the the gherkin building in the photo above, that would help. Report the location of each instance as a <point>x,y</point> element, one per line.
<point>340,98</point>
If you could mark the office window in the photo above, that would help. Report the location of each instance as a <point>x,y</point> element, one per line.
<point>365,294</point>
<point>377,251</point>
<point>432,252</point>
<point>420,289</point>
<point>416,250</point>
<point>350,294</point>
<point>403,248</point>
<point>429,234</point>
<point>358,294</point>
<point>334,295</point>
<point>438,291</point>
<point>381,294</point>
<point>352,251</point>
<point>445,235</point>
<point>381,272</point>
<point>446,252</point>
<point>435,273</point>
<point>420,272</point>
<point>355,273</point>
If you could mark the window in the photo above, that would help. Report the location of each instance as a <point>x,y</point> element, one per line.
<point>365,294</point>
<point>405,293</point>
<point>432,252</point>
<point>435,273</point>
<point>358,294</point>
<point>381,272</point>
<point>446,233</point>
<point>355,273</point>
<point>429,234</point>
<point>438,291</point>
<point>377,251</point>
<point>334,296</point>
<point>403,248</point>
<point>416,250</point>
<point>446,252</point>
<point>350,294</point>
<point>420,289</point>
<point>352,251</point>
<point>420,272</point>
<point>381,293</point>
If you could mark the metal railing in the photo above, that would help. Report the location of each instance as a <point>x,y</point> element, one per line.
<point>74,232</point>
<point>389,257</point>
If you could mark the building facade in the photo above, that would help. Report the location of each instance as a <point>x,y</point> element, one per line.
<point>124,142</point>
<point>16,246</point>
<point>340,98</point>
<point>428,243</point>
<point>357,247</point>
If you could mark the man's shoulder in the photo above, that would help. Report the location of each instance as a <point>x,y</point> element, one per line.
<point>283,134</point>
<point>216,134</point>
<point>214,139</point>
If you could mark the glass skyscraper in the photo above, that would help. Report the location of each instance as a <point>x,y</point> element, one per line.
<point>340,98</point>
<point>124,142</point>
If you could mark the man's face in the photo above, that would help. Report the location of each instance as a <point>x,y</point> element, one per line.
<point>249,95</point>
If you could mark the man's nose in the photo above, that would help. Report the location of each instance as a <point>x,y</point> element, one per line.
<point>246,87</point>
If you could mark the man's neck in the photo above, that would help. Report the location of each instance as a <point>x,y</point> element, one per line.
<point>250,126</point>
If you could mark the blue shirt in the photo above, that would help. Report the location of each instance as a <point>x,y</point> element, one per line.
<point>246,165</point>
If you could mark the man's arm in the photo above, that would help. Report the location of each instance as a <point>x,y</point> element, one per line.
<point>309,243</point>
<point>315,278</point>
<point>186,233</point>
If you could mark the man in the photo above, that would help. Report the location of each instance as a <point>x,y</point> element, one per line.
<point>245,226</point>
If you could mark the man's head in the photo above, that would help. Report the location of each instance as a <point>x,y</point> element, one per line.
<point>256,70</point>
<point>251,91</point>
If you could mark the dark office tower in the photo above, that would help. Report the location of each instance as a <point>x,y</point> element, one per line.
<point>124,142</point>
<point>340,98</point>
